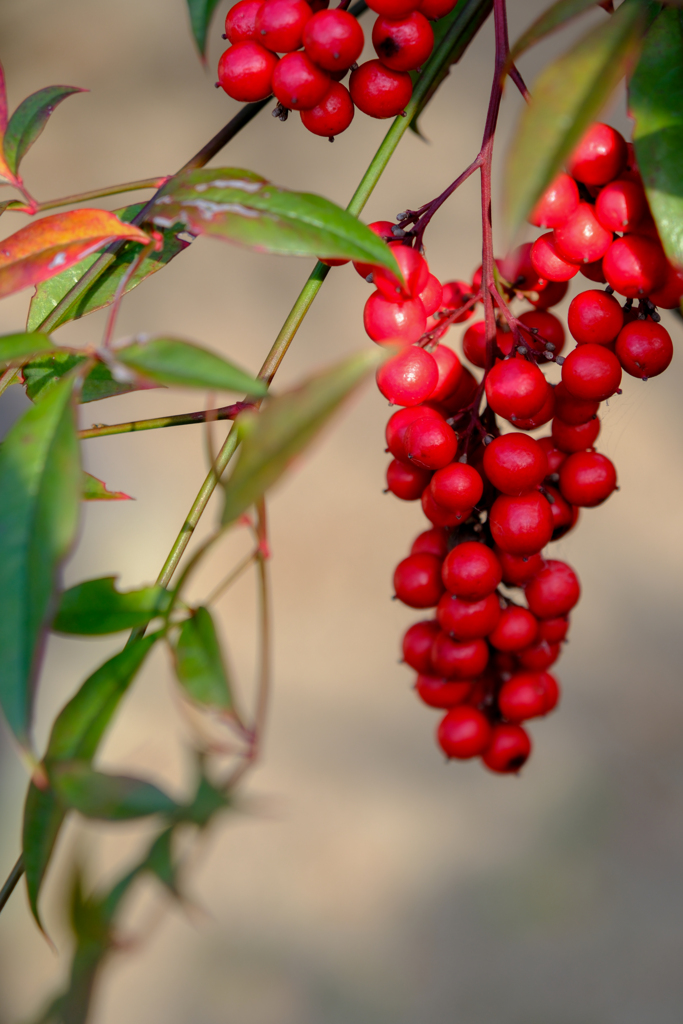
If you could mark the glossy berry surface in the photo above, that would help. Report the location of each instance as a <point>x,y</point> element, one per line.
<point>450,372</point>
<point>403,45</point>
<point>587,479</point>
<point>474,343</point>
<point>406,482</point>
<point>298,83</point>
<point>600,156</point>
<point>394,8</point>
<point>332,115</point>
<point>240,22</point>
<point>572,410</point>
<point>508,749</point>
<point>437,692</point>
<point>634,266</point>
<point>398,424</point>
<point>518,569</point>
<point>430,444</point>
<point>440,516</point>
<point>380,91</point>
<point>544,329</point>
<point>417,581</point>
<point>553,591</point>
<point>471,570</point>
<point>468,620</point>
<point>459,660</point>
<point>591,372</point>
<point>516,388</point>
<point>569,438</point>
<point>389,321</point>
<point>414,271</point>
<point>457,486</point>
<point>245,72</point>
<point>559,201</point>
<point>280,24</point>
<point>515,463</point>
<point>464,732</point>
<point>528,695</point>
<point>333,39</point>
<point>621,205</point>
<point>582,238</point>
<point>417,644</point>
<point>435,9</point>
<point>594,317</point>
<point>644,349</point>
<point>432,542</point>
<point>523,525</point>
<point>549,262</point>
<point>516,628</point>
<point>408,378</point>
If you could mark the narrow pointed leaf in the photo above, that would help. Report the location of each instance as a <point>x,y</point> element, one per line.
<point>96,490</point>
<point>176,362</point>
<point>29,119</point>
<point>43,819</point>
<point>272,438</point>
<point>557,15</point>
<point>656,104</point>
<point>201,12</point>
<point>242,207</point>
<point>97,607</point>
<point>48,246</point>
<point>15,348</point>
<point>199,663</point>
<point>207,802</point>
<point>44,373</point>
<point>107,797</point>
<point>567,97</point>
<point>40,483</point>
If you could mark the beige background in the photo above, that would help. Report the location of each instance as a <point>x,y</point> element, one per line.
<point>363,881</point>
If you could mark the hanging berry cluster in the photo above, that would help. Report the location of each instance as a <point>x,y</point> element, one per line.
<point>495,500</point>
<point>319,47</point>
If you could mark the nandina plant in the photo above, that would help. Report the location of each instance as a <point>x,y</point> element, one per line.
<point>500,459</point>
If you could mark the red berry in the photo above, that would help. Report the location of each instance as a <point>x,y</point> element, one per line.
<point>516,628</point>
<point>519,569</point>
<point>450,372</point>
<point>280,24</point>
<point>547,329</point>
<point>380,91</point>
<point>381,228</point>
<point>557,204</point>
<point>553,293</point>
<point>474,343</point>
<point>406,482</point>
<point>440,516</point>
<point>539,656</point>
<point>594,317</point>
<point>621,205</point>
<point>572,410</point>
<point>394,8</point>
<point>553,630</point>
<point>245,72</point>
<point>518,270</point>
<point>468,620</point>
<point>430,444</point>
<point>455,295</point>
<point>417,581</point>
<point>516,388</point>
<point>591,372</point>
<point>418,641</point>
<point>594,272</point>
<point>668,295</point>
<point>459,660</point>
<point>548,261</point>
<point>298,83</point>
<point>544,414</point>
<point>527,695</point>
<point>508,749</point>
<point>435,9</point>
<point>333,39</point>
<point>438,692</point>
<point>240,23</point>
<point>409,377</point>
<point>431,542</point>
<point>569,438</point>
<point>399,423</point>
<point>523,525</point>
<point>553,591</point>
<point>565,516</point>
<point>600,156</point>
<point>471,570</point>
<point>644,348</point>
<point>332,115</point>
<point>515,463</point>
<point>635,266</point>
<point>415,273</point>
<point>457,487</point>
<point>405,44</point>
<point>464,393</point>
<point>587,479</point>
<point>464,732</point>
<point>389,321</point>
<point>582,238</point>
<point>431,295</point>
<point>554,456</point>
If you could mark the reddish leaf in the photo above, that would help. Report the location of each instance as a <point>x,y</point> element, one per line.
<point>96,490</point>
<point>3,102</point>
<point>48,246</point>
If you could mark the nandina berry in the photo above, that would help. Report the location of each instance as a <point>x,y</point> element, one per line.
<point>516,388</point>
<point>575,438</point>
<point>437,692</point>
<point>240,22</point>
<point>389,321</point>
<point>600,156</point>
<point>405,44</point>
<point>298,83</point>
<point>539,656</point>
<point>582,238</point>
<point>554,456</point>
<point>634,266</point>
<point>591,372</point>
<point>518,569</point>
<point>553,630</point>
<point>417,581</point>
<point>409,377</point>
<point>521,525</point>
<point>544,414</point>
<point>394,8</point>
<point>381,228</point>
<point>515,463</point>
<point>527,695</point>
<point>398,424</point>
<point>417,644</point>
<point>474,343</point>
<point>508,749</point>
<point>333,39</point>
<point>431,542</point>
<point>440,516</point>
<point>380,91</point>
<point>464,732</point>
<point>668,295</point>
<point>406,482</point>
<point>464,393</point>
<point>471,570</point>
<point>332,115</point>
<point>457,487</point>
<point>415,273</point>
<point>468,620</point>
<point>549,262</point>
<point>553,591</point>
<point>450,372</point>
<point>621,205</point>
<point>553,293</point>
<point>456,294</point>
<point>644,348</point>
<point>430,444</point>
<point>280,24</point>
<point>594,317</point>
<point>544,328</point>
<point>431,295</point>
<point>459,660</point>
<point>587,479</point>
<point>435,9</point>
<point>245,71</point>
<point>565,516</point>
<point>593,271</point>
<point>572,410</point>
<point>557,204</point>
<point>516,628</point>
<point>518,270</point>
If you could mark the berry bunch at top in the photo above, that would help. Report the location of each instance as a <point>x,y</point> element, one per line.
<point>301,52</point>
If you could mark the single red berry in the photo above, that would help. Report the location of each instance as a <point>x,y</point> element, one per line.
<point>456,294</point>
<point>472,571</point>
<point>582,238</point>
<point>553,630</point>
<point>508,749</point>
<point>621,205</point>
<point>409,377</point>
<point>635,265</point>
<point>417,645</point>
<point>549,262</point>
<point>435,9</point>
<point>554,456</point>
<point>280,24</point>
<point>644,348</point>
<point>591,372</point>
<point>417,581</point>
<point>398,424</point>
<point>457,660</point>
<point>600,156</point>
<point>553,591</point>
<point>519,569</point>
<point>527,695</point>
<point>594,317</point>
<point>430,444</point>
<point>406,482</point>
<point>538,656</point>
<point>437,692</point>
<point>450,372</point>
<point>245,72</point>
<point>668,295</point>
<point>457,487</point>
<point>388,321</point>
<point>440,516</point>
<point>431,295</point>
<point>516,388</point>
<point>522,525</point>
<point>468,620</point>
<point>593,271</point>
<point>544,414</point>
<point>332,115</point>
<point>553,293</point>
<point>572,410</point>
<point>516,628</point>
<point>587,479</point>
<point>474,343</point>
<point>431,542</point>
<point>569,438</point>
<point>415,273</point>
<point>394,8</point>
<point>557,204</point>
<point>381,228</point>
<point>515,463</point>
<point>518,270</point>
<point>405,44</point>
<point>464,732</point>
<point>298,83</point>
<point>333,39</point>
<point>240,23</point>
<point>565,516</point>
<point>544,328</point>
<point>380,91</point>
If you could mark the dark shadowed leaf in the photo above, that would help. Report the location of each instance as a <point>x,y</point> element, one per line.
<point>40,487</point>
<point>242,207</point>
<point>287,424</point>
<point>96,490</point>
<point>176,362</point>
<point>200,12</point>
<point>41,375</point>
<point>567,97</point>
<point>29,119</point>
<point>199,663</point>
<point>557,15</point>
<point>14,348</point>
<point>96,607</point>
<point>107,797</point>
<point>656,104</point>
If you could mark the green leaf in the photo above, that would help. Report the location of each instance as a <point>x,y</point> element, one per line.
<point>40,485</point>
<point>43,818</point>
<point>29,119</point>
<point>96,607</point>
<point>180,363</point>
<point>43,374</point>
<point>107,797</point>
<point>288,423</point>
<point>14,348</point>
<point>102,291</point>
<point>557,15</point>
<point>656,104</point>
<point>242,207</point>
<point>159,861</point>
<point>207,802</point>
<point>201,12</point>
<point>96,490</point>
<point>199,664</point>
<point>567,97</point>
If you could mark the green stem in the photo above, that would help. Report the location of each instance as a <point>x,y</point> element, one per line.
<point>8,377</point>
<point>226,412</point>
<point>98,193</point>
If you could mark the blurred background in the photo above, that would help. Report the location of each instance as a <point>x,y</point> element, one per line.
<point>361,879</point>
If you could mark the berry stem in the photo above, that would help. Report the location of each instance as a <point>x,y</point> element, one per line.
<point>84,197</point>
<point>226,412</point>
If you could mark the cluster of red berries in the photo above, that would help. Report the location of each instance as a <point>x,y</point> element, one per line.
<point>319,48</point>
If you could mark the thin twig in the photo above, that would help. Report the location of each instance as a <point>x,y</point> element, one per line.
<point>12,881</point>
<point>97,193</point>
<point>226,412</point>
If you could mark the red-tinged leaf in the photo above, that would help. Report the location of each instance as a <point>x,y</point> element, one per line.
<point>29,119</point>
<point>97,490</point>
<point>3,101</point>
<point>48,246</point>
